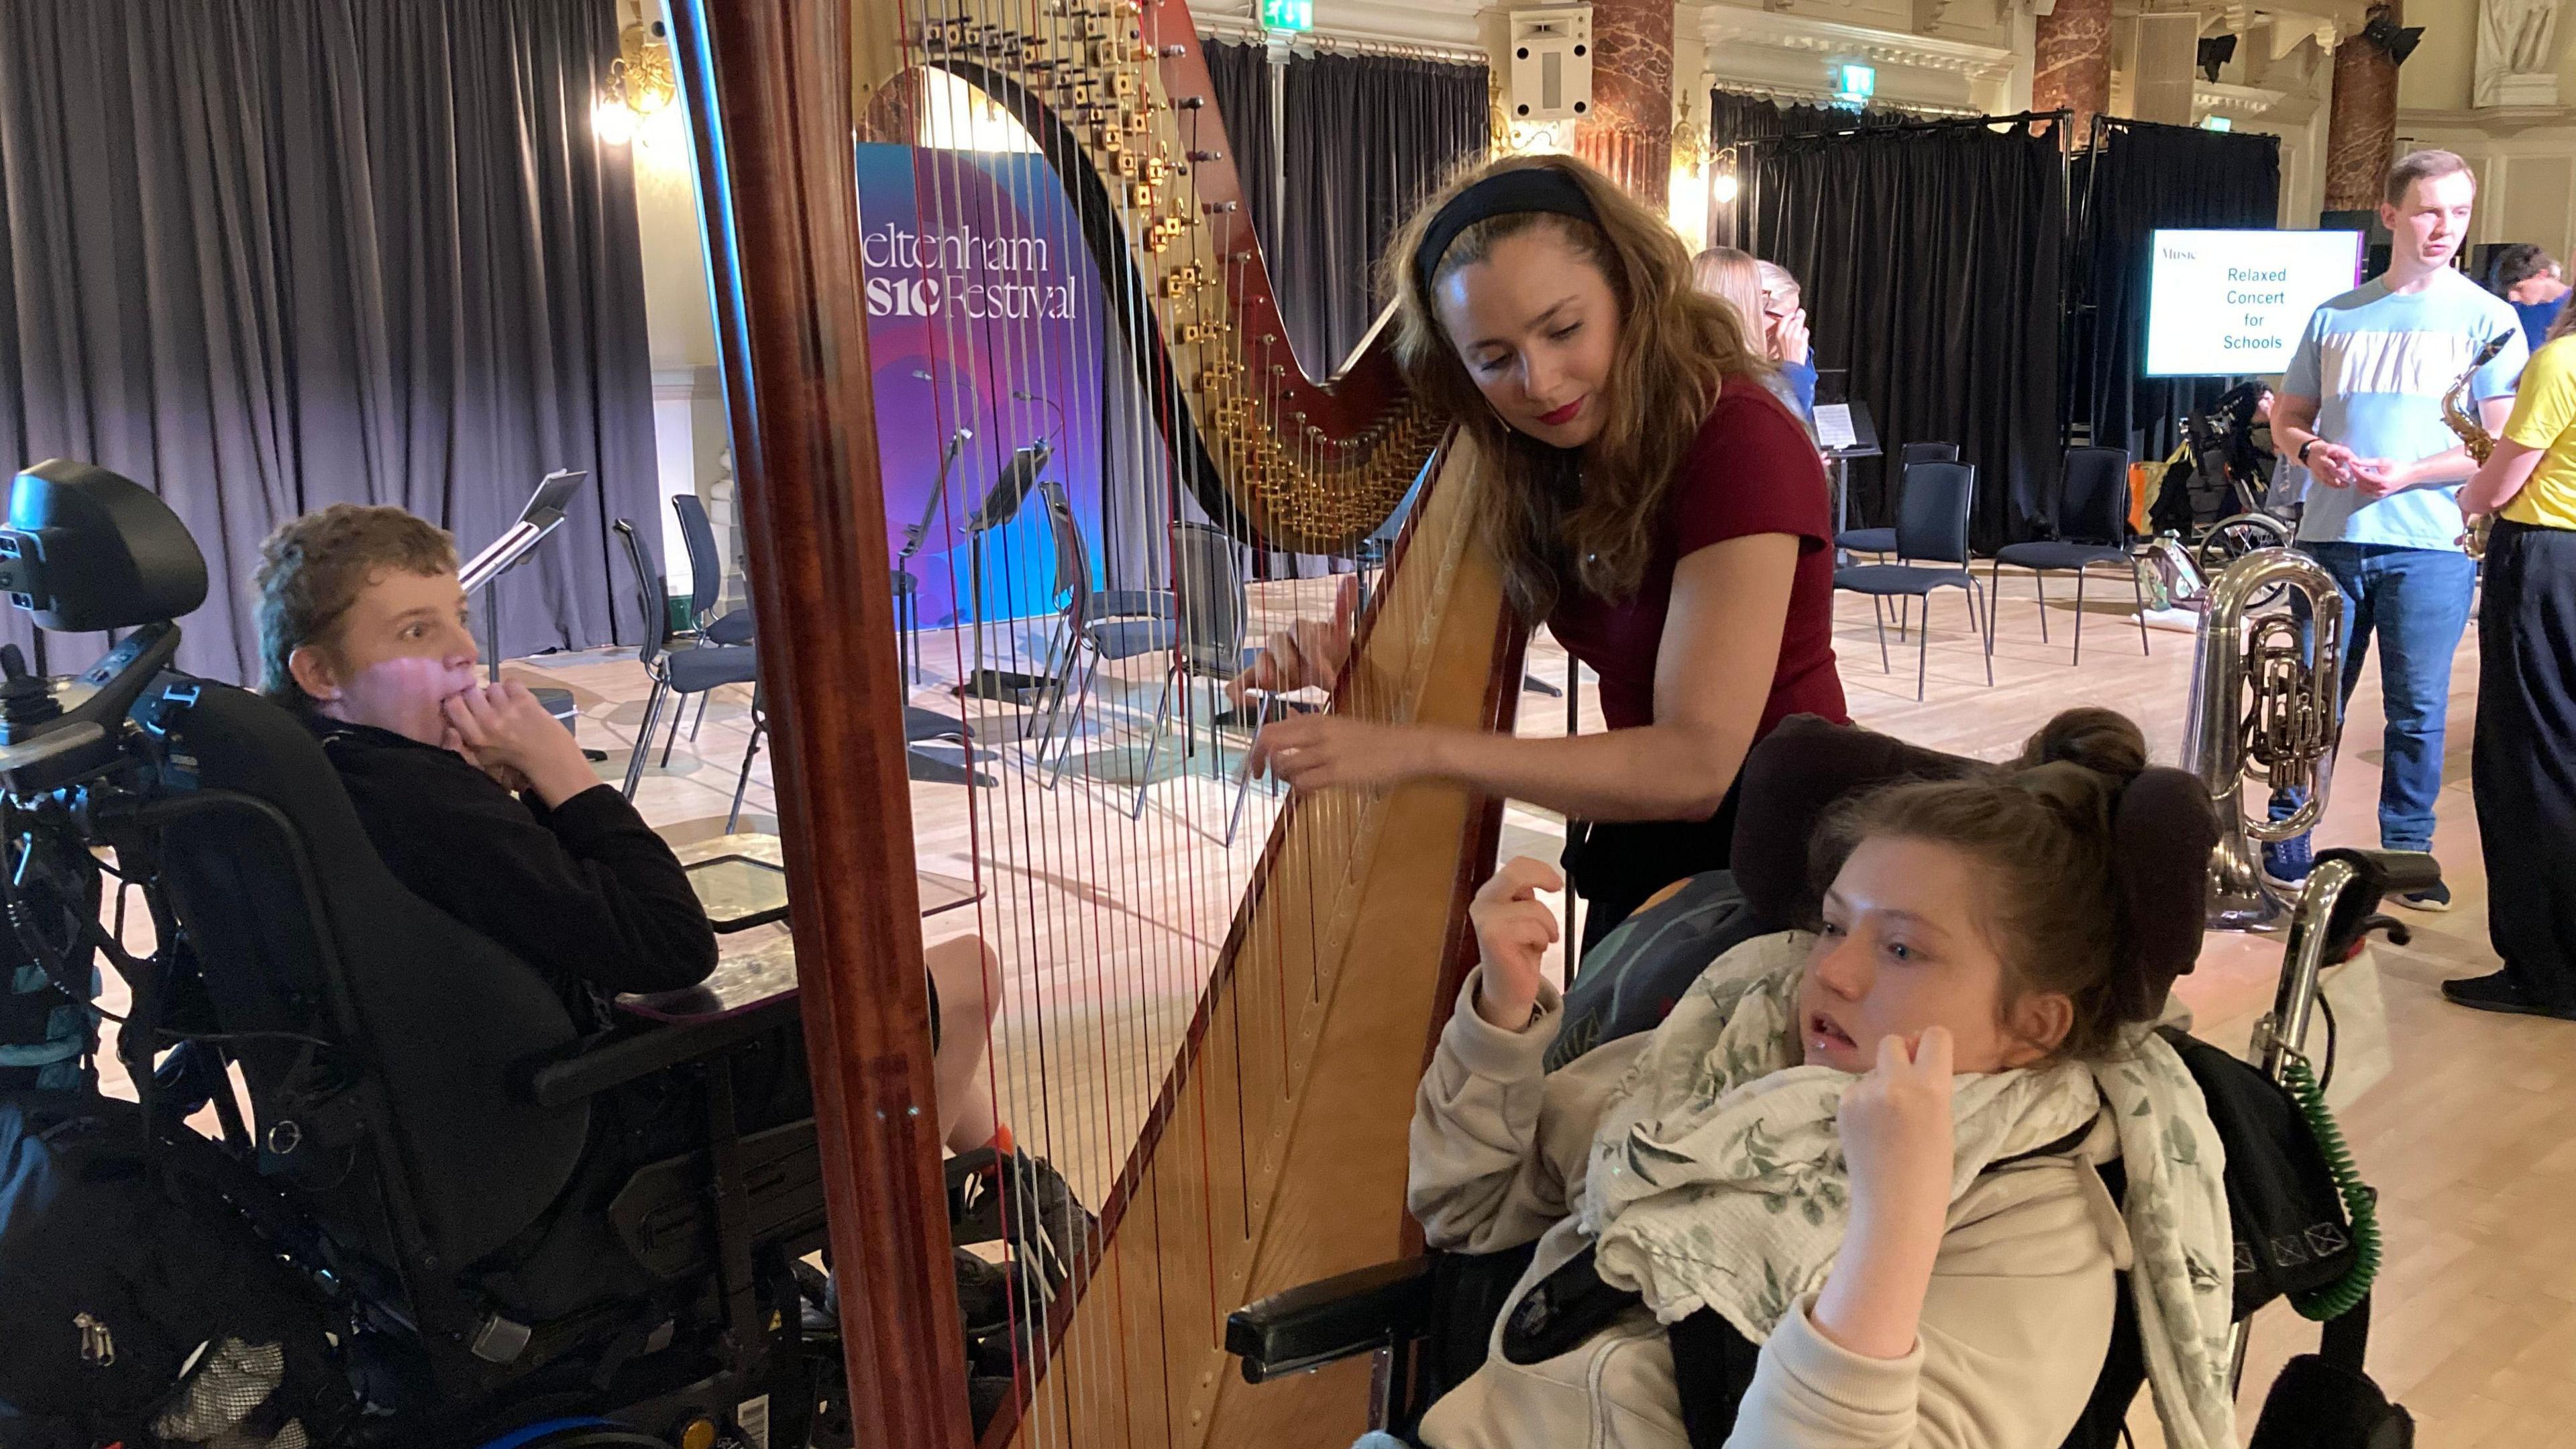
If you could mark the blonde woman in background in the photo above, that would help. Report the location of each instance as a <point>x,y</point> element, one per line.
<point>1765,299</point>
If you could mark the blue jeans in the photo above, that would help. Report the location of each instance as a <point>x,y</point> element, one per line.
<point>2416,601</point>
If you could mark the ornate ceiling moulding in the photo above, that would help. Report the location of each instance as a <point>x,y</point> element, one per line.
<point>1736,25</point>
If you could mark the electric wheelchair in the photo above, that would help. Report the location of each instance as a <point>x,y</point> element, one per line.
<point>2302,1220</point>
<point>496,1229</point>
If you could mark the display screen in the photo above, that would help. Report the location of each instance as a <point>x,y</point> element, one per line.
<point>2233,303</point>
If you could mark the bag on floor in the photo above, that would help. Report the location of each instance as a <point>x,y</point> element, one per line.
<point>120,1273</point>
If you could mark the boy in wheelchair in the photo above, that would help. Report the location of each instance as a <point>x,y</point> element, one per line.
<point>483,805</point>
<point>478,800</point>
<point>1857,1174</point>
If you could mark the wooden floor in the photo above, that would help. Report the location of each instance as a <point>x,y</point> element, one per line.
<point>1105,929</point>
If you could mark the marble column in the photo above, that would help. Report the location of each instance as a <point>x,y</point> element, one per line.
<point>2361,128</point>
<point>1629,131</point>
<point>2071,63</point>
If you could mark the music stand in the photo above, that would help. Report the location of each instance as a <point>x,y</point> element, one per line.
<point>1844,431</point>
<point>543,514</point>
<point>907,586</point>
<point>1001,504</point>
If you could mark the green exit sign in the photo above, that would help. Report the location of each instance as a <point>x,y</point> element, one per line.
<point>1296,15</point>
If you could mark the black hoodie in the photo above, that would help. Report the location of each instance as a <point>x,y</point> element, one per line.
<point>585,893</point>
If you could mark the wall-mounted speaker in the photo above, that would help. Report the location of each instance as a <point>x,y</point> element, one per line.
<point>1551,76</point>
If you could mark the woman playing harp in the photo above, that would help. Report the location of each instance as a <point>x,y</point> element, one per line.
<point>1657,508</point>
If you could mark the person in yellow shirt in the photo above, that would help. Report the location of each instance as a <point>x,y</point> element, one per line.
<point>2524,770</point>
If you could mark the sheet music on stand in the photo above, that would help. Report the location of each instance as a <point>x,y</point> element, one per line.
<point>1844,430</point>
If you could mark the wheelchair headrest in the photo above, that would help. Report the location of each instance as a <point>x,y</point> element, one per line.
<point>2162,834</point>
<point>298,926</point>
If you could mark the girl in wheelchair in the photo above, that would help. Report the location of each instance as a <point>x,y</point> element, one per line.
<point>1853,1181</point>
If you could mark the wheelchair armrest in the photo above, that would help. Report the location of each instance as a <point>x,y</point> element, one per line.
<point>2404,870</point>
<point>1319,1323</point>
<point>613,1059</point>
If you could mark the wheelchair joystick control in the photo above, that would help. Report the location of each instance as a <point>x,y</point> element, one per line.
<point>27,702</point>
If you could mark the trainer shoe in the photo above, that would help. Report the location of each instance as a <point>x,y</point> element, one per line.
<point>2499,992</point>
<point>2434,897</point>
<point>2289,861</point>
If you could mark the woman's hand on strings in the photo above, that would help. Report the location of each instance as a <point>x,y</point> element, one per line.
<point>1895,1125</point>
<point>1308,654</point>
<point>1313,752</point>
<point>1514,928</point>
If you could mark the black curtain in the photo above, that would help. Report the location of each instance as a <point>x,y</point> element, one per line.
<point>1735,118</point>
<point>1931,257</point>
<point>264,255</point>
<point>1240,76</point>
<point>1364,139</point>
<point>2140,178</point>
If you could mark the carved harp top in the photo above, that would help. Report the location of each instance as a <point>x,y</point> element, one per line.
<point>1118,97</point>
<point>1254,1137</point>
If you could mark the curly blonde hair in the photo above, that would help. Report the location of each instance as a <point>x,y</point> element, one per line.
<point>312,568</point>
<point>1677,347</point>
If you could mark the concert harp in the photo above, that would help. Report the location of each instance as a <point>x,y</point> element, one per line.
<point>1242,1129</point>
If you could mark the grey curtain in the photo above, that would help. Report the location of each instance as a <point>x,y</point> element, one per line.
<point>1735,118</point>
<point>2141,177</point>
<point>1239,76</point>
<point>264,255</point>
<point>1932,259</point>
<point>1364,139</point>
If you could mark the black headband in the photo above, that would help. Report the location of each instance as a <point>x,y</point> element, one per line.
<point>1505,193</point>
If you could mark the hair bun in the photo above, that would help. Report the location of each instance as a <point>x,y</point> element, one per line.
<point>2100,740</point>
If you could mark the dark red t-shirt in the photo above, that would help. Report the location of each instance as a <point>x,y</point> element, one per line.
<point>1750,471</point>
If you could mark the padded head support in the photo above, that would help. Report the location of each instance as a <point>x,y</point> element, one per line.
<point>444,1019</point>
<point>2162,835</point>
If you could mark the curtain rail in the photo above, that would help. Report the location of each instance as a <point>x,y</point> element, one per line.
<point>1946,123</point>
<point>1806,96</point>
<point>1236,31</point>
<point>2102,124</point>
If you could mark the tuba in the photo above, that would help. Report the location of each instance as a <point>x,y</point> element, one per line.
<point>2266,708</point>
<point>2473,433</point>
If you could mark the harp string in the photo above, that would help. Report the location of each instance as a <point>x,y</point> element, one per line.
<point>1109,928</point>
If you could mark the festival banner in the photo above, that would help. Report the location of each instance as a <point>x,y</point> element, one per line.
<point>984,314</point>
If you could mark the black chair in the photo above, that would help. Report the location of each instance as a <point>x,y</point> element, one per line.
<point>1882,541</point>
<point>423,1116</point>
<point>707,577</point>
<point>706,587</point>
<point>1931,532</point>
<point>678,671</point>
<point>1214,616</point>
<point>1092,624</point>
<point>2092,525</point>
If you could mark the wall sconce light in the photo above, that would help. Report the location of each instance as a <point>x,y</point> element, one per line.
<point>636,98</point>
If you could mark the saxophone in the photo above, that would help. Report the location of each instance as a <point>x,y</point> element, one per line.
<point>2474,435</point>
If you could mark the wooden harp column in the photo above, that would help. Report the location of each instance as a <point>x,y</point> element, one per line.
<point>1273,1151</point>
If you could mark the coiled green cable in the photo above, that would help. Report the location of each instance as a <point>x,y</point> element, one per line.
<point>2358,1203</point>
